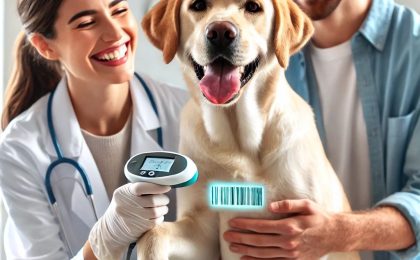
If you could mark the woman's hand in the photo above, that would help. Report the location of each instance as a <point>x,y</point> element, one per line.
<point>135,208</point>
<point>307,234</point>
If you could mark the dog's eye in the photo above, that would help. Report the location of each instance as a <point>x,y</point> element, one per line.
<point>198,6</point>
<point>252,7</point>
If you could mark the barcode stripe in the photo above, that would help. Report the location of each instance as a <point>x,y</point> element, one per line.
<point>233,195</point>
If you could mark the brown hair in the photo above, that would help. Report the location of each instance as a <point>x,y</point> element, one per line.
<point>32,75</point>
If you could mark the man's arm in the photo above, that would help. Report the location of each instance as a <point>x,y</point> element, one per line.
<point>382,228</point>
<point>312,232</point>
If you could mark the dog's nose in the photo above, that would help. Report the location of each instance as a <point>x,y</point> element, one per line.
<point>221,34</point>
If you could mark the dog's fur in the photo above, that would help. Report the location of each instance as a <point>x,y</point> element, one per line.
<point>265,135</point>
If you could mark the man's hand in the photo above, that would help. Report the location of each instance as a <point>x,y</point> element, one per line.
<point>311,232</point>
<point>307,234</point>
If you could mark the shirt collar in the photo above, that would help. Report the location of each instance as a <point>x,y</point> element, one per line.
<point>377,24</point>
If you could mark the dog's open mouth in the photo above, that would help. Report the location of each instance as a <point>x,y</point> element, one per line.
<point>221,81</point>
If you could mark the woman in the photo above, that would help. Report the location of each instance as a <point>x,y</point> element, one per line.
<point>82,52</point>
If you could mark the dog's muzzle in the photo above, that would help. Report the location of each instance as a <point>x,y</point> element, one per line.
<point>221,37</point>
<point>220,79</point>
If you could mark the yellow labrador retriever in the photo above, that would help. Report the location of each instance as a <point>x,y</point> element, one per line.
<point>243,123</point>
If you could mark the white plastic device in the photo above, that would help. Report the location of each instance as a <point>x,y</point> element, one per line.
<point>164,168</point>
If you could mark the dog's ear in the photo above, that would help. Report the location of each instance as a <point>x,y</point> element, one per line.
<point>161,25</point>
<point>292,29</point>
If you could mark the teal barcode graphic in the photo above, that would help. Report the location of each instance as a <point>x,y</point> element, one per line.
<point>241,196</point>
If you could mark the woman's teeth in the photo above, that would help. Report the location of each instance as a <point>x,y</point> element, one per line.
<point>115,55</point>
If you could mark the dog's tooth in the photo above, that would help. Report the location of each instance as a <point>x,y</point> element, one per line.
<point>241,70</point>
<point>205,68</point>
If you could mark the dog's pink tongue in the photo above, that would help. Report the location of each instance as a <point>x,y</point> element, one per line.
<point>220,82</point>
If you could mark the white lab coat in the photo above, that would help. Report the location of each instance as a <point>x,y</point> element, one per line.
<point>26,150</point>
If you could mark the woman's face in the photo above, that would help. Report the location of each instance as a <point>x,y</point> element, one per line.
<point>96,40</point>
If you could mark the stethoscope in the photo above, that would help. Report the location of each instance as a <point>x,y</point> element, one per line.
<point>61,159</point>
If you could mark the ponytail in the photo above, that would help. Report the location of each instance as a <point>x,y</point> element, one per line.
<point>32,77</point>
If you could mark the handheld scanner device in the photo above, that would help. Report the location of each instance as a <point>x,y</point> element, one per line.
<point>164,168</point>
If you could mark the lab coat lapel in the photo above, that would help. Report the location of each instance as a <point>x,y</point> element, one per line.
<point>145,121</point>
<point>74,147</point>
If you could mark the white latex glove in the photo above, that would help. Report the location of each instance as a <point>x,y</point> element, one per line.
<point>135,208</point>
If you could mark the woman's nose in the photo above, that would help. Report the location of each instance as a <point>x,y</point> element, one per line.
<point>112,31</point>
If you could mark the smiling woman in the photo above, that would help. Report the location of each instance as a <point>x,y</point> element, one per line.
<point>73,102</point>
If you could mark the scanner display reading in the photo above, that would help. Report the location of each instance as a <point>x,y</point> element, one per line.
<point>157,164</point>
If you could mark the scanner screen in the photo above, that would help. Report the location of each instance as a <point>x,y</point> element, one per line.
<point>157,164</point>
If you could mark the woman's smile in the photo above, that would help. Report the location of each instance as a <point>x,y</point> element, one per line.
<point>113,56</point>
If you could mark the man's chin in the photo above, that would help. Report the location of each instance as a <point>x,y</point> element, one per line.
<point>318,9</point>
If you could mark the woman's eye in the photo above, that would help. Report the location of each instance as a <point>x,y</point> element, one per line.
<point>85,24</point>
<point>198,6</point>
<point>120,11</point>
<point>252,7</point>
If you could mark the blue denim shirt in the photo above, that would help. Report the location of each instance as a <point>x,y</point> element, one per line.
<point>386,54</point>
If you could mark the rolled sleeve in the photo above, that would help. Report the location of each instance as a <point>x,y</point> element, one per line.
<point>407,201</point>
<point>409,205</point>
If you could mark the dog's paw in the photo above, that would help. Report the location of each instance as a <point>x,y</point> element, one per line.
<point>153,245</point>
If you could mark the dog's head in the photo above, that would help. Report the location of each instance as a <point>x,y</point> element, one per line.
<point>225,43</point>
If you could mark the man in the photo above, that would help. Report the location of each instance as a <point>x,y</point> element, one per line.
<point>359,74</point>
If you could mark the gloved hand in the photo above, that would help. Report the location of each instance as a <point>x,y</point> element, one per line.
<point>135,208</point>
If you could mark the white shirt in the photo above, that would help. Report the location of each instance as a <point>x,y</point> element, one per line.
<point>110,154</point>
<point>345,128</point>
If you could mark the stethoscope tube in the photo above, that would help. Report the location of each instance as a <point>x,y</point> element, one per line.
<point>63,160</point>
